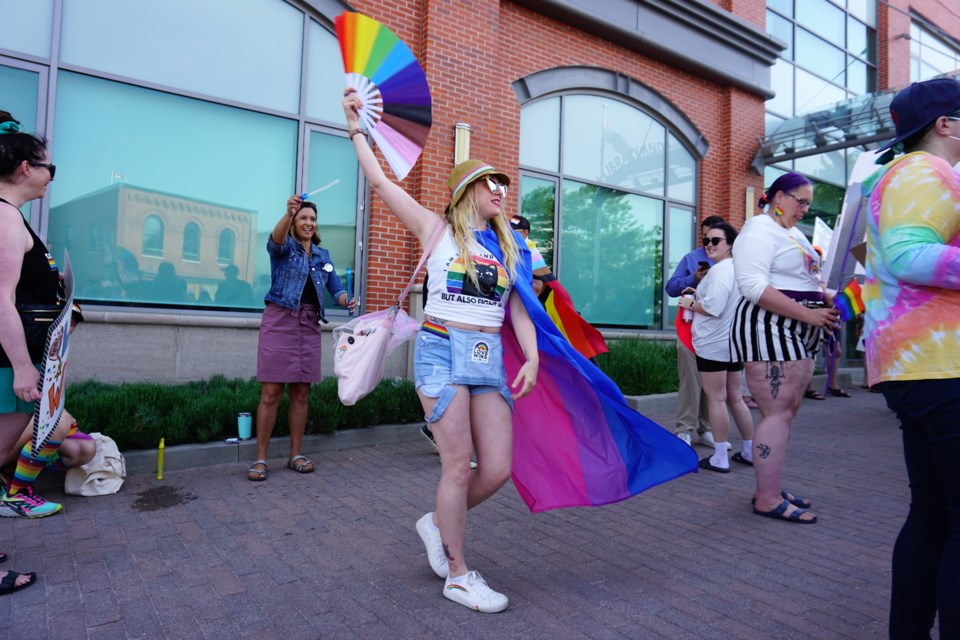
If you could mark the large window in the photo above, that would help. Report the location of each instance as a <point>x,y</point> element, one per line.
<point>930,54</point>
<point>831,56</point>
<point>599,174</point>
<point>180,143</point>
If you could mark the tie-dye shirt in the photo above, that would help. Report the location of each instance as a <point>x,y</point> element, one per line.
<point>912,290</point>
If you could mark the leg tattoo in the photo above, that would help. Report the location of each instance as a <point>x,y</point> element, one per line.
<point>764,450</point>
<point>446,552</point>
<point>775,374</point>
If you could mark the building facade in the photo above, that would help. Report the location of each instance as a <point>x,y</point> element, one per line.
<point>622,123</point>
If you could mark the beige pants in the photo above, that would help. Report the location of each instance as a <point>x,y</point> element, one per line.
<point>691,400</point>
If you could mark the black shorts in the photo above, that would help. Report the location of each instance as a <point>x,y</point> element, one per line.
<point>711,366</point>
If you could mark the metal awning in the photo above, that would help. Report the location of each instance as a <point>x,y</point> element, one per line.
<point>861,121</point>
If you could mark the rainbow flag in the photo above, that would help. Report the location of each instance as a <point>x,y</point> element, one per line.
<point>576,441</point>
<point>849,302</point>
<point>559,306</point>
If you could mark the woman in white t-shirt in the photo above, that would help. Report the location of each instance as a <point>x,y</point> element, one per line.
<point>776,330</point>
<point>714,302</point>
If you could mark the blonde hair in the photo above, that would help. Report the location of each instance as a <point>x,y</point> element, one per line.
<point>461,217</point>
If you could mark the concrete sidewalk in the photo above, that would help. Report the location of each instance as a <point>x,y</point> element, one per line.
<point>207,554</point>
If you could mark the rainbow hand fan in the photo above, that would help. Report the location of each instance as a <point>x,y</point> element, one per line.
<point>391,83</point>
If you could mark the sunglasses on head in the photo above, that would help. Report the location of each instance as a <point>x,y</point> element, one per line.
<point>495,186</point>
<point>712,241</point>
<point>52,168</point>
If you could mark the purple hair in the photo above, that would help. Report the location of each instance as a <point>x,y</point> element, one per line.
<point>786,183</point>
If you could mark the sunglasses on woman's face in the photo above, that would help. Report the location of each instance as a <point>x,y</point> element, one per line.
<point>495,186</point>
<point>712,241</point>
<point>52,168</point>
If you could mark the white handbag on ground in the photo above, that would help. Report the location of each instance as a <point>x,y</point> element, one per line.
<point>101,476</point>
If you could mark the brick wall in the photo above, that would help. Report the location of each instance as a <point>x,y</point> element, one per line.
<point>893,20</point>
<point>472,50</point>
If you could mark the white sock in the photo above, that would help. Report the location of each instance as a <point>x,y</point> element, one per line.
<point>452,580</point>
<point>719,457</point>
<point>747,450</point>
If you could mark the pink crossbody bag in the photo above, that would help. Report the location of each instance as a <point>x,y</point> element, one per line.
<point>362,345</point>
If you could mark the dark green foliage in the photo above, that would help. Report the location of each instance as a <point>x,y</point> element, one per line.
<point>138,415</point>
<point>641,367</point>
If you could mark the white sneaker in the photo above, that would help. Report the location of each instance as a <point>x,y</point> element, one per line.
<point>706,439</point>
<point>431,540</point>
<point>472,592</point>
<point>685,436</point>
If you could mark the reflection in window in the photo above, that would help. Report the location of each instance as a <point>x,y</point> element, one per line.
<point>607,141</point>
<point>621,169</point>
<point>539,144</point>
<point>226,246</point>
<point>929,55</point>
<point>191,242</point>
<point>612,255</point>
<point>333,157</point>
<point>255,61</point>
<point>538,201</point>
<point>18,91</point>
<point>211,186</point>
<point>153,237</point>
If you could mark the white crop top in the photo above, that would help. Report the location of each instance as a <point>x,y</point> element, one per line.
<point>767,254</point>
<point>451,296</point>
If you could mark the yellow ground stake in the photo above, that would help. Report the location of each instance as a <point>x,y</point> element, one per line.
<point>160,461</point>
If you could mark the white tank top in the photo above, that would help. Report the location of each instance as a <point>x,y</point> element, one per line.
<point>451,296</point>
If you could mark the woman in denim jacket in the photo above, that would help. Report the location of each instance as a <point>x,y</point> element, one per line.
<point>289,348</point>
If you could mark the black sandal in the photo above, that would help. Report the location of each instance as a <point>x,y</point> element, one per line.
<point>838,393</point>
<point>9,582</point>
<point>814,395</point>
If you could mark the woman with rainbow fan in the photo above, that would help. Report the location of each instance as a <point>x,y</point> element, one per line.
<point>458,362</point>
<point>571,440</point>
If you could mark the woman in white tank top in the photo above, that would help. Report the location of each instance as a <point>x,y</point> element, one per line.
<point>459,361</point>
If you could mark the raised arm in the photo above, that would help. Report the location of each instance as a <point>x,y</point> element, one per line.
<point>279,233</point>
<point>414,217</point>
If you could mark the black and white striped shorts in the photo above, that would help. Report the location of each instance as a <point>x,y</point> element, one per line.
<point>759,335</point>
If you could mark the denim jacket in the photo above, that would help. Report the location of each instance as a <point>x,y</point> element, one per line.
<point>289,268</point>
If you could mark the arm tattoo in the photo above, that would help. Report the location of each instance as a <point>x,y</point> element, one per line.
<point>776,372</point>
<point>764,450</point>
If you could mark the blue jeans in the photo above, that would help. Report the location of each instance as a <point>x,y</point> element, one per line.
<point>926,556</point>
<point>435,370</point>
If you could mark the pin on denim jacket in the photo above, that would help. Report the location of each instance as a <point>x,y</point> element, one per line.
<point>289,268</point>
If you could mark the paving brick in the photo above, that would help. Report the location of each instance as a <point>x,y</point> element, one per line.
<point>334,554</point>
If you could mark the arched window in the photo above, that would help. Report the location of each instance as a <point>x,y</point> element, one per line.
<point>226,246</point>
<point>191,242</point>
<point>608,180</point>
<point>153,237</point>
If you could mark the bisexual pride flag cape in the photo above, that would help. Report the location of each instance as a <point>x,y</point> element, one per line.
<point>576,441</point>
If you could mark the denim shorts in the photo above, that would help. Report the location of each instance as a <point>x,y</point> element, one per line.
<point>434,372</point>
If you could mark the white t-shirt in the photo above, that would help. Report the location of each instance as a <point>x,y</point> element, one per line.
<point>452,296</point>
<point>767,254</point>
<point>718,295</point>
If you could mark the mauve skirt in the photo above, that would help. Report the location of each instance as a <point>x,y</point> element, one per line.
<point>289,347</point>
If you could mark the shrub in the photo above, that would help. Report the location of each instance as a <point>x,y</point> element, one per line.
<point>137,415</point>
<point>641,367</point>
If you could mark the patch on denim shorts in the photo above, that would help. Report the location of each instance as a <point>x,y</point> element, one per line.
<point>480,352</point>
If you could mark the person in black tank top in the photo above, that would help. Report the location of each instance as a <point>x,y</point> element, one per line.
<point>25,275</point>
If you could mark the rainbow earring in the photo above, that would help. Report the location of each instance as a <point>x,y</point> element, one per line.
<point>777,211</point>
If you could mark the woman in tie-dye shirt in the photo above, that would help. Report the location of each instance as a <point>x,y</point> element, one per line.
<point>912,298</point>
